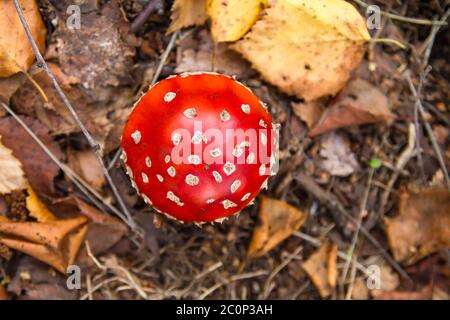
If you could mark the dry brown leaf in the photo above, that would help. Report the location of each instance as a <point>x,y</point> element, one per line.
<point>37,209</point>
<point>306,48</point>
<point>187,13</point>
<point>16,53</point>
<point>310,112</point>
<point>321,268</point>
<point>231,19</point>
<point>85,163</point>
<point>12,177</point>
<point>422,224</point>
<point>39,168</point>
<point>55,242</point>
<point>337,157</point>
<point>359,103</point>
<point>277,220</point>
<point>103,232</point>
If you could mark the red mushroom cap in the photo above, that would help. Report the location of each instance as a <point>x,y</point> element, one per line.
<point>198,147</point>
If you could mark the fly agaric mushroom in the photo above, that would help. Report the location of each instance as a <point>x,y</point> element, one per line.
<point>198,147</point>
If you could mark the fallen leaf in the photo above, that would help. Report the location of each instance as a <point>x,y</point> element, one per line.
<point>422,224</point>
<point>55,242</point>
<point>310,112</point>
<point>187,13</point>
<point>39,168</point>
<point>320,266</point>
<point>306,48</point>
<point>16,53</point>
<point>338,159</point>
<point>231,19</point>
<point>37,209</point>
<point>359,103</point>
<point>195,53</point>
<point>103,232</point>
<point>277,220</point>
<point>85,163</point>
<point>11,173</point>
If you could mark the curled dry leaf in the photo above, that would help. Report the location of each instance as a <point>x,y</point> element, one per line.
<point>359,103</point>
<point>321,268</point>
<point>231,19</point>
<point>306,48</point>
<point>37,209</point>
<point>16,53</point>
<point>103,232</point>
<point>277,220</point>
<point>422,224</point>
<point>338,158</point>
<point>55,243</point>
<point>39,168</point>
<point>12,177</point>
<point>187,13</point>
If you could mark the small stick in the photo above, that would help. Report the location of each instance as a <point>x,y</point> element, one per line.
<point>428,128</point>
<point>93,144</point>
<point>152,5</point>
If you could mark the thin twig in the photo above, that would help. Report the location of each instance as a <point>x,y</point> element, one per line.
<point>93,144</point>
<point>152,6</point>
<point>428,128</point>
<point>165,55</point>
<point>404,19</point>
<point>358,226</point>
<point>407,154</point>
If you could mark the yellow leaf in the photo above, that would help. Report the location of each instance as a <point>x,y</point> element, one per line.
<point>187,13</point>
<point>11,174</point>
<point>231,19</point>
<point>277,220</point>
<point>306,48</point>
<point>16,53</point>
<point>37,209</point>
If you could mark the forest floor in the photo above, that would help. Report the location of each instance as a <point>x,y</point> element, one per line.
<point>375,195</point>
